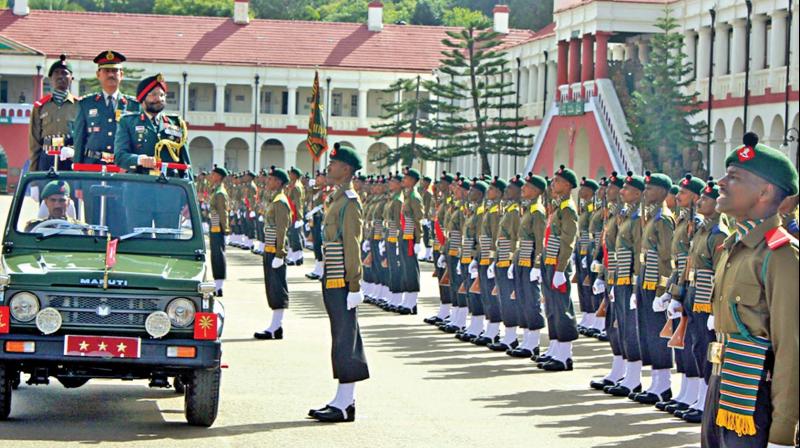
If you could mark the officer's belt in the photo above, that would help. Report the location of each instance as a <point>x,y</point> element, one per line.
<point>107,157</point>
<point>715,354</point>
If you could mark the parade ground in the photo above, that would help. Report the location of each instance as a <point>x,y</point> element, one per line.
<point>426,388</point>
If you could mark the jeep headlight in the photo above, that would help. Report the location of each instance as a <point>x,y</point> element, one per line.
<point>24,306</point>
<point>181,312</point>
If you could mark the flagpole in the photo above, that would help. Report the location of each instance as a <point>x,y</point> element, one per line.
<point>105,262</point>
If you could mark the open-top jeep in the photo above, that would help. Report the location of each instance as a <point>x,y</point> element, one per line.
<point>102,276</point>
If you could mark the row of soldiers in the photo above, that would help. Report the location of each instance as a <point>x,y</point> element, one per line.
<point>695,274</point>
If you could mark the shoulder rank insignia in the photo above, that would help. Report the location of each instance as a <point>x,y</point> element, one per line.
<point>778,237</point>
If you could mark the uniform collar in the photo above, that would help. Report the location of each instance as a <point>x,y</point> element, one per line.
<point>751,232</point>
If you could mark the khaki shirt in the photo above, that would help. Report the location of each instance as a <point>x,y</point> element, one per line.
<point>531,228</point>
<point>608,239</point>
<point>296,195</point>
<point>564,224</point>
<point>508,231</point>
<point>679,249</point>
<point>629,238</point>
<point>413,211</point>
<point>276,218</point>
<point>391,216</point>
<point>49,119</point>
<point>487,231</point>
<point>656,249</point>
<point>766,297</point>
<point>219,211</point>
<point>454,224</point>
<point>474,215</point>
<point>350,231</point>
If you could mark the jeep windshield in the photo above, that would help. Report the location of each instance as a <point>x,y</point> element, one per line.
<point>81,206</point>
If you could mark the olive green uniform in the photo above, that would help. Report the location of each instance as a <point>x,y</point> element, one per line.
<point>276,222</point>
<point>218,228</point>
<point>50,119</point>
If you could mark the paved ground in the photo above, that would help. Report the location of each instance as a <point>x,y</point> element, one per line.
<point>427,389</point>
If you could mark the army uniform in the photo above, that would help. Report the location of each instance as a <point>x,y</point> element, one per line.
<point>218,228</point>
<point>428,217</point>
<point>412,215</point>
<point>441,206</point>
<point>391,216</point>
<point>454,225</point>
<point>596,226</point>
<point>474,215</point>
<point>510,310</point>
<point>315,216</point>
<point>96,126</point>
<point>50,121</point>
<point>487,232</point>
<point>296,197</point>
<point>277,218</point>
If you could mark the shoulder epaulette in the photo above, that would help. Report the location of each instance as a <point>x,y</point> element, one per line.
<point>567,203</point>
<point>494,209</point>
<point>537,207</point>
<point>43,100</point>
<point>779,237</point>
<point>351,194</point>
<point>590,208</point>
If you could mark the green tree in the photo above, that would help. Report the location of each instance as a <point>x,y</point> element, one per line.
<point>53,5</point>
<point>465,17</point>
<point>425,13</point>
<point>660,115</point>
<point>218,8</point>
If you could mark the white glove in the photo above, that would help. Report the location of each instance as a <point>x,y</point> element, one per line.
<point>710,323</point>
<point>660,303</point>
<point>611,296</point>
<point>252,214</point>
<point>599,286</point>
<point>559,279</point>
<point>440,262</point>
<point>674,309</point>
<point>277,262</point>
<point>775,445</point>
<point>308,227</point>
<point>298,224</point>
<point>490,271</point>
<point>595,266</point>
<point>458,268</point>
<point>309,216</point>
<point>536,275</point>
<point>510,273</point>
<point>585,262</point>
<point>365,246</point>
<point>425,222</point>
<point>67,152</point>
<point>382,247</point>
<point>632,303</point>
<point>353,299</point>
<point>473,267</point>
<point>261,218</point>
<point>418,248</point>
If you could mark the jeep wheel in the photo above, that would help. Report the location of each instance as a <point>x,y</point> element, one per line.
<point>202,397</point>
<point>71,382</point>
<point>5,391</point>
<point>180,388</point>
<point>16,379</point>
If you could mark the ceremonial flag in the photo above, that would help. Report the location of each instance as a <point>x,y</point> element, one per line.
<point>317,139</point>
<point>111,253</point>
<point>205,326</point>
<point>5,319</point>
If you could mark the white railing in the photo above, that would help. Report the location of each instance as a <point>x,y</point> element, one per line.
<point>16,113</point>
<point>612,119</point>
<point>199,118</point>
<point>732,85</point>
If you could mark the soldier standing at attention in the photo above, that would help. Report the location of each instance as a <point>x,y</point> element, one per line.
<point>411,245</point>
<point>752,398</point>
<point>277,217</point>
<point>218,226</point>
<point>392,213</point>
<point>559,242</point>
<point>442,203</point>
<point>454,225</point>
<point>51,118</point>
<point>487,235</point>
<point>586,192</point>
<point>296,195</point>
<point>319,193</point>
<point>429,210</point>
<point>341,285</point>
<point>99,113</point>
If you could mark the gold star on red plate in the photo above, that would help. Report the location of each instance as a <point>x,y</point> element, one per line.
<point>121,347</point>
<point>84,346</point>
<point>102,347</point>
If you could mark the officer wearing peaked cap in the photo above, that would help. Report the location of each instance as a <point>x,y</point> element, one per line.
<point>753,390</point>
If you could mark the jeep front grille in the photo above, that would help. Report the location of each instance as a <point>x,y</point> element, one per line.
<point>100,311</point>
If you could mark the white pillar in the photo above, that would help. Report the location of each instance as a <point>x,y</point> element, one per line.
<point>362,108</point>
<point>618,52</point>
<point>289,157</point>
<point>689,42</point>
<point>644,51</point>
<point>551,81</point>
<point>219,156</point>
<point>721,49</point>
<point>541,70</point>
<point>778,39</point>
<point>75,87</point>
<point>795,40</point>
<point>291,103</point>
<point>739,44</point>
<point>522,84</point>
<point>220,92</point>
<point>703,52</point>
<point>533,83</point>
<point>758,42</point>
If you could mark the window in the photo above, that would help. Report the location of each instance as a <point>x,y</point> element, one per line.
<point>354,105</point>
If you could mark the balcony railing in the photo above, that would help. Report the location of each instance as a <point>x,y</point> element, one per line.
<point>15,113</point>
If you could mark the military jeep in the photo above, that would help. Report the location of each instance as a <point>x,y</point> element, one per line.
<point>102,275</point>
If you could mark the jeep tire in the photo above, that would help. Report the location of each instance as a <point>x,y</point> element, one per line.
<point>201,400</point>
<point>5,391</point>
<point>72,382</point>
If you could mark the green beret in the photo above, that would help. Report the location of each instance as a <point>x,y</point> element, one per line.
<point>279,173</point>
<point>361,178</point>
<point>411,172</point>
<point>480,185</point>
<point>347,155</point>
<point>427,178</point>
<point>615,180</point>
<point>674,190</point>
<point>635,181</point>
<point>658,180</point>
<point>221,171</point>
<point>693,184</point>
<point>60,63</point>
<point>464,183</point>
<point>517,181</point>
<point>296,171</point>
<point>55,187</point>
<point>590,183</point>
<point>148,84</point>
<point>537,181</point>
<point>251,173</point>
<point>767,163</point>
<point>500,184</point>
<point>447,177</point>
<point>568,175</point>
<point>396,177</point>
<point>711,190</point>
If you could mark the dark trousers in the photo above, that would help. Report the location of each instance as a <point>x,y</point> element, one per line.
<point>626,318</point>
<point>259,230</point>
<point>713,436</point>
<point>444,291</point>
<point>530,298</point>
<point>455,282</point>
<point>697,348</point>
<point>316,234</point>
<point>612,326</point>
<point>473,300</point>
<point>491,305</point>
<point>585,296</point>
<point>347,349</point>
<point>395,274</point>
<point>409,266</point>
<point>377,269</point>
<point>294,238</point>
<point>275,283</point>
<point>653,347</point>
<point>216,242</point>
<point>510,309</point>
<point>426,236</point>
<point>560,313</point>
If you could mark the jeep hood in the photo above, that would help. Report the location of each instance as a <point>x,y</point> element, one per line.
<point>85,269</point>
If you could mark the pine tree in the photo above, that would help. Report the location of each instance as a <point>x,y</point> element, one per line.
<point>661,108</point>
<point>474,62</point>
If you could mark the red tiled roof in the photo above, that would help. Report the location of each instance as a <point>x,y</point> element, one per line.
<point>563,5</point>
<point>218,41</point>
